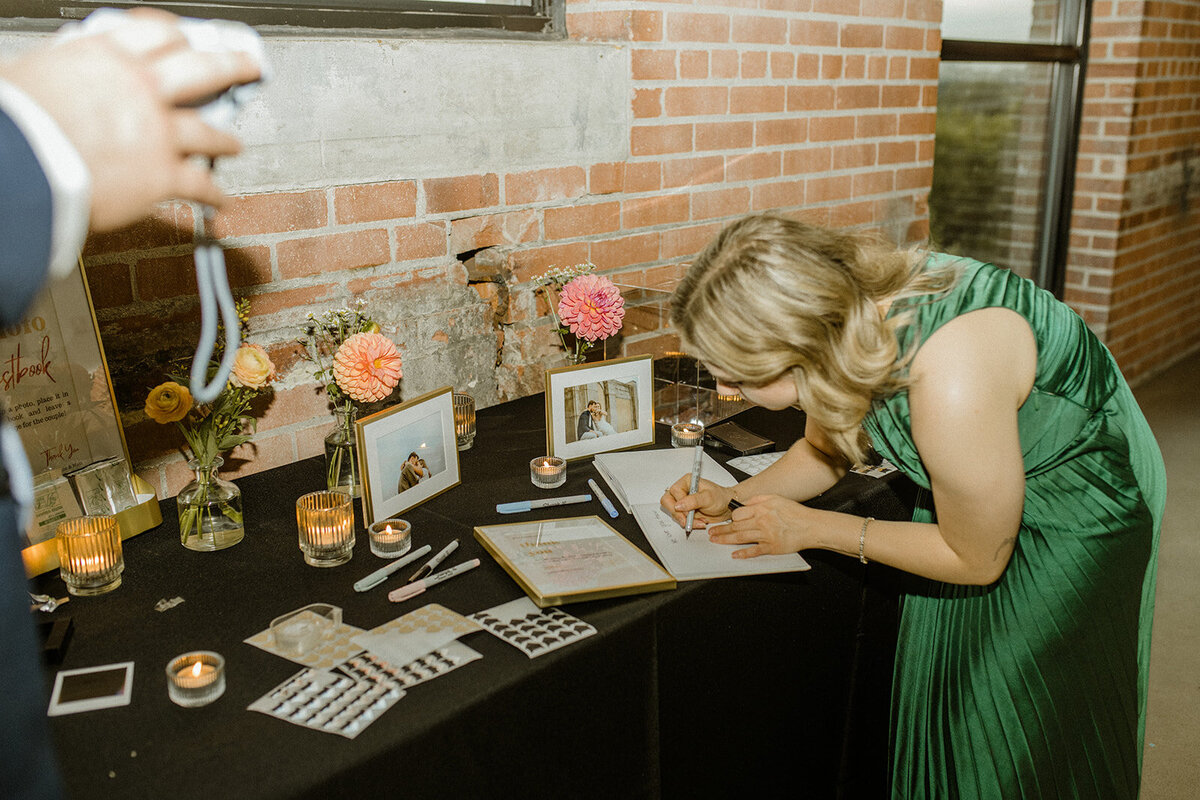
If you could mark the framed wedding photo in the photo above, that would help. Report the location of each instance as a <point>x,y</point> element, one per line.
<point>600,407</point>
<point>407,454</point>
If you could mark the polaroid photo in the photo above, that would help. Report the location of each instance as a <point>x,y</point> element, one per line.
<point>91,688</point>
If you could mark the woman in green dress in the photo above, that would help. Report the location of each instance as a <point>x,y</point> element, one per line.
<point>1022,671</point>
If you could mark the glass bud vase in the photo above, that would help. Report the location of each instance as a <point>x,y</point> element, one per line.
<point>210,509</point>
<point>341,454</point>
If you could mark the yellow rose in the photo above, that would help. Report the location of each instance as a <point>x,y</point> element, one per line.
<point>252,367</point>
<point>168,402</point>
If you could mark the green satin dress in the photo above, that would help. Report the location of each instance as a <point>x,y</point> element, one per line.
<point>1035,686</point>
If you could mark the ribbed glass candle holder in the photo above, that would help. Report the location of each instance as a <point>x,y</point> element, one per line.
<point>89,554</point>
<point>326,524</point>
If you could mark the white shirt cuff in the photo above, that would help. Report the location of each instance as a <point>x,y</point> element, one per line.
<point>70,181</point>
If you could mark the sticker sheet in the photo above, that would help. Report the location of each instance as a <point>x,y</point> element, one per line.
<point>337,646</point>
<point>532,630</point>
<point>329,701</point>
<point>367,666</point>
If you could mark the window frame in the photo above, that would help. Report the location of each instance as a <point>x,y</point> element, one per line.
<point>1068,60</point>
<point>540,19</point>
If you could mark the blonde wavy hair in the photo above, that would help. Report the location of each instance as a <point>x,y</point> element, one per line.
<point>772,295</point>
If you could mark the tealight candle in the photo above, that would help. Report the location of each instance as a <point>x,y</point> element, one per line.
<point>196,679</point>
<point>89,554</point>
<point>548,472</point>
<point>464,420</point>
<point>390,538</point>
<point>326,524</point>
<point>687,434</point>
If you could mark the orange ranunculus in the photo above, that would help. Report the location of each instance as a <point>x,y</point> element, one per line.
<point>252,367</point>
<point>168,402</point>
<point>367,367</point>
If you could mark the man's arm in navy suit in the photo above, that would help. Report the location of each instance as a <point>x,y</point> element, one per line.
<point>25,222</point>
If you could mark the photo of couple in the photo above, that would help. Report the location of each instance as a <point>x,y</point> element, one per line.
<point>601,409</point>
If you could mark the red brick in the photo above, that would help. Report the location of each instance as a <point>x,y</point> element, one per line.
<point>771,132</point>
<point>109,285</point>
<point>693,171</point>
<point>720,203</point>
<point>905,38</point>
<point>724,135</point>
<point>560,183</point>
<point>420,240</point>
<point>854,66</point>
<point>650,140</point>
<point>621,252</point>
<point>923,68</point>
<point>281,212</point>
<point>754,166</point>
<point>757,99</point>
<point>778,194</point>
<point>897,152</point>
<point>886,9</point>
<point>831,67</point>
<point>693,64</point>
<point>374,202</point>
<point>643,176</point>
<point>653,65</point>
<point>528,264</point>
<point>783,65</point>
<point>809,161</point>
<point>162,278</point>
<point>248,266</point>
<point>851,156</point>
<point>170,225</point>
<point>339,251</point>
<point>490,230</point>
<point>662,209</point>
<point>724,63</point>
<point>808,66</point>
<point>813,33</point>
<point>688,101</point>
<point>646,26</point>
<point>759,30</point>
<point>868,126</point>
<point>600,26</point>
<point>900,96</point>
<point>810,98</point>
<point>263,453</point>
<point>686,242</point>
<point>754,65</point>
<point>865,36</point>
<point>857,97</point>
<point>825,189</point>
<point>693,27</point>
<point>272,302</point>
<point>444,195</point>
<point>845,215</point>
<point>868,183</point>
<point>606,178</point>
<point>916,124</point>
<point>569,222</point>
<point>647,103</point>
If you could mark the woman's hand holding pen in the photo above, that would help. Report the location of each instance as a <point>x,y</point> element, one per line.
<point>710,502</point>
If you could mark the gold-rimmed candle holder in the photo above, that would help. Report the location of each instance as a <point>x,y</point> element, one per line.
<point>325,521</point>
<point>89,554</point>
<point>464,420</point>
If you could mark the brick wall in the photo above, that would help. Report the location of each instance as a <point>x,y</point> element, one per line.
<point>1134,268</point>
<point>819,107</point>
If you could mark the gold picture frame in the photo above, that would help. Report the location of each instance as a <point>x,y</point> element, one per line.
<point>599,407</point>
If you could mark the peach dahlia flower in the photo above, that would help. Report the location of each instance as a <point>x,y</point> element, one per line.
<point>367,367</point>
<point>591,307</point>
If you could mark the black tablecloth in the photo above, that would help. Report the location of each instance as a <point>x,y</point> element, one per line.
<point>718,687</point>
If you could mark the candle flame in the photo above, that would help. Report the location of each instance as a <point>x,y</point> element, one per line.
<point>545,462</point>
<point>196,669</point>
<point>388,530</point>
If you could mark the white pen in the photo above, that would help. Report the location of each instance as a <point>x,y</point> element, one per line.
<point>380,575</point>
<point>432,563</point>
<point>696,464</point>
<point>411,590</point>
<point>543,502</point>
<point>603,498</point>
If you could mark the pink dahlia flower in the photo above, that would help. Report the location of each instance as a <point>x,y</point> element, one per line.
<point>591,307</point>
<point>367,367</point>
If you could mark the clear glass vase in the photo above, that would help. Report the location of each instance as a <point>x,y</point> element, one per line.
<point>210,509</point>
<point>341,454</point>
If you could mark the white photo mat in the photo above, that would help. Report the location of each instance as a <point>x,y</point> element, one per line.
<point>624,391</point>
<point>388,440</point>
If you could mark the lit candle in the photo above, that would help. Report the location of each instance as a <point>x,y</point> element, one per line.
<point>196,679</point>
<point>687,434</point>
<point>325,521</point>
<point>390,538</point>
<point>548,472</point>
<point>89,554</point>
<point>464,420</point>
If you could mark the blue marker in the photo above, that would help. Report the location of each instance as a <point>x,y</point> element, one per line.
<point>543,502</point>
<point>604,501</point>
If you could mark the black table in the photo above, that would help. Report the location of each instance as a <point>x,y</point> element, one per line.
<point>719,687</point>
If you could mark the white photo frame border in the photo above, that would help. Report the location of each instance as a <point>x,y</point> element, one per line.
<point>378,502</point>
<point>636,369</point>
<point>94,702</point>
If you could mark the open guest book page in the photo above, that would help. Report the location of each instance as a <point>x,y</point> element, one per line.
<point>639,477</point>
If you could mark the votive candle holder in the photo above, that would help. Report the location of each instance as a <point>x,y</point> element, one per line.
<point>390,538</point>
<point>548,472</point>
<point>687,434</point>
<point>326,524</point>
<point>464,420</point>
<point>196,679</point>
<point>89,554</point>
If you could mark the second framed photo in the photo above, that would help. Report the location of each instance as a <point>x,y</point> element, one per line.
<point>595,408</point>
<point>407,454</point>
